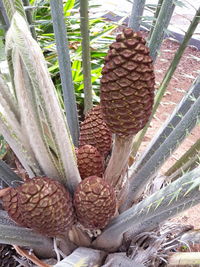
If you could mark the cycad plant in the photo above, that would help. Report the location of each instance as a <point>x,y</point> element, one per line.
<point>78,198</point>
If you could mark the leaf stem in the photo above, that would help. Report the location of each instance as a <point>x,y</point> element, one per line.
<point>160,2</point>
<point>30,19</point>
<point>119,160</point>
<point>20,236</point>
<point>86,56</point>
<point>136,14</point>
<point>162,23</point>
<point>65,68</point>
<point>194,149</point>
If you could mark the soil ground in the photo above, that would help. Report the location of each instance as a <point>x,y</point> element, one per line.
<point>187,71</point>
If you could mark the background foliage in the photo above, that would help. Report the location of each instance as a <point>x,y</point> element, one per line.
<point>100,37</point>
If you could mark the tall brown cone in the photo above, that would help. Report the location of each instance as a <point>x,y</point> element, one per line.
<point>95,202</point>
<point>90,162</point>
<point>95,132</point>
<point>127,84</point>
<point>41,204</point>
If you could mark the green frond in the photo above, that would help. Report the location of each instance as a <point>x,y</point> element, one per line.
<point>49,138</point>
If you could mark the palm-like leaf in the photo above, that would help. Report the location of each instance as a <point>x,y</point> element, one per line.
<point>14,5</point>
<point>189,160</point>
<point>176,197</point>
<point>184,106</point>
<point>50,137</point>
<point>65,68</point>
<point>11,130</point>
<point>141,178</point>
<point>167,78</point>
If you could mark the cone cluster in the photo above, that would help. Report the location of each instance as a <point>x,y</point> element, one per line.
<point>127,92</point>
<point>45,206</point>
<point>94,144</point>
<point>94,199</point>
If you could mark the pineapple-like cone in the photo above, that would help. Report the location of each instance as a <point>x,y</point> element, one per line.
<point>95,202</point>
<point>94,131</point>
<point>127,94</point>
<point>90,161</point>
<point>41,204</point>
<point>127,84</point>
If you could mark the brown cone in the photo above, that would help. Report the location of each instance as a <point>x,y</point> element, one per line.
<point>127,84</point>
<point>90,161</point>
<point>42,204</point>
<point>95,202</point>
<point>95,132</point>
